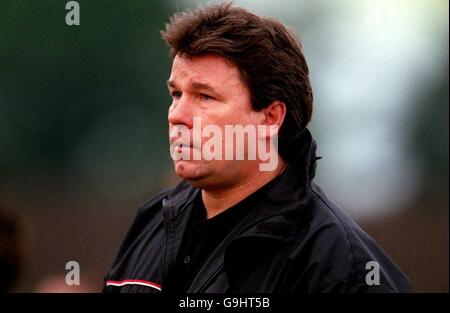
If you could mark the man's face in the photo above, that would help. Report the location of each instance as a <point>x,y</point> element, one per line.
<point>210,88</point>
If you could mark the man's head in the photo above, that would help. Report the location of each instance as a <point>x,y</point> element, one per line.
<point>233,67</point>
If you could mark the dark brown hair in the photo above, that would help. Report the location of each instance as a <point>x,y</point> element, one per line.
<point>268,55</point>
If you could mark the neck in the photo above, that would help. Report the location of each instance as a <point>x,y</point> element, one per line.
<point>217,201</point>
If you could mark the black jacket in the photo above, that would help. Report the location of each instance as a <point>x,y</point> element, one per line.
<point>294,240</point>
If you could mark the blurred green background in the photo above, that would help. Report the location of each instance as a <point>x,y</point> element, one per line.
<point>83,125</point>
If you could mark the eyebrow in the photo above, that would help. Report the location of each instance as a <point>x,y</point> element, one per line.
<point>194,85</point>
<point>171,83</point>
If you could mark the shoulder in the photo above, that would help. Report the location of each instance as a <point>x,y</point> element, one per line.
<point>145,231</point>
<point>150,214</point>
<point>155,203</point>
<point>339,252</point>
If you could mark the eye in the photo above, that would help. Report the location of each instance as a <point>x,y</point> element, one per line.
<point>175,94</point>
<point>205,97</point>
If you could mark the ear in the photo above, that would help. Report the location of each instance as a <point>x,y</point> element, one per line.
<point>273,116</point>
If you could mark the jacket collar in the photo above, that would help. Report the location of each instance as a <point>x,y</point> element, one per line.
<point>277,214</point>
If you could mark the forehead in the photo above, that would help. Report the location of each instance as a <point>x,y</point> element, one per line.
<point>211,68</point>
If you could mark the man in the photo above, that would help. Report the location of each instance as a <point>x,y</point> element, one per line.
<point>233,225</point>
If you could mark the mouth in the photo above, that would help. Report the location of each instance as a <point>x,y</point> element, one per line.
<point>182,144</point>
<point>179,146</point>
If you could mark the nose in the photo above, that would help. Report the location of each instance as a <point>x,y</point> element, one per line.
<point>181,112</point>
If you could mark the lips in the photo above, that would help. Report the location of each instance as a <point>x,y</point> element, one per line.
<point>183,148</point>
<point>181,145</point>
<point>184,144</point>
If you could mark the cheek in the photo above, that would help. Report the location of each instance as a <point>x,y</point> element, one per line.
<point>228,116</point>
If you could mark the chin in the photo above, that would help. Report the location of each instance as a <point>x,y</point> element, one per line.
<point>192,170</point>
